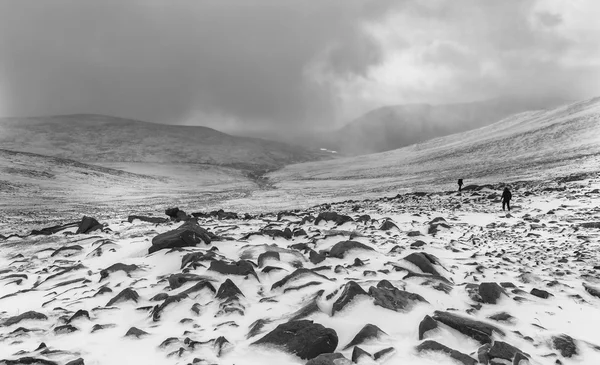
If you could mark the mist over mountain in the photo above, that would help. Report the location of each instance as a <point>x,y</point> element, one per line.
<point>397,126</point>
<point>99,138</point>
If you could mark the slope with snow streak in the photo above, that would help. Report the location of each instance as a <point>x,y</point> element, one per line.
<point>527,145</point>
<point>542,245</point>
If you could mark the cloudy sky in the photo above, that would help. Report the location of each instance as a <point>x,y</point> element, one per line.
<point>255,64</point>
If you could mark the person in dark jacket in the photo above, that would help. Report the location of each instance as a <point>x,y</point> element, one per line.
<point>506,196</point>
<point>460,184</point>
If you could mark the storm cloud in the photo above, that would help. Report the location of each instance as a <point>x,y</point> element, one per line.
<point>243,65</point>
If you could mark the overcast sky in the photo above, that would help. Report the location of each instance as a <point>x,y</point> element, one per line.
<point>286,63</point>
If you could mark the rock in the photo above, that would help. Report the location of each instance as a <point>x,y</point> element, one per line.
<point>28,361</point>
<point>490,292</point>
<point>565,344</point>
<point>329,359</point>
<point>540,293</point>
<point>228,290</point>
<point>477,330</point>
<point>98,327</point>
<point>267,255</point>
<point>413,234</point>
<point>30,315</point>
<point>368,332</point>
<point>87,225</point>
<point>303,338</point>
<point>592,290</point>
<point>387,225</point>
<point>78,361</point>
<point>117,267</point>
<point>142,218</point>
<point>502,317</point>
<point>426,324</point>
<point>51,230</point>
<point>176,214</point>
<point>438,347</point>
<point>351,290</point>
<point>65,329</point>
<point>387,296</point>
<point>177,280</point>
<point>424,261</point>
<point>339,219</point>
<point>298,273</point>
<point>417,244</point>
<point>315,257</point>
<point>125,295</point>
<point>187,235</point>
<point>256,326</point>
<point>503,350</point>
<point>136,332</point>
<point>79,314</point>
<point>241,267</point>
<point>340,249</point>
<point>358,354</point>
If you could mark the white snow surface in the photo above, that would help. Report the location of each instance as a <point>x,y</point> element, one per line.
<point>540,244</point>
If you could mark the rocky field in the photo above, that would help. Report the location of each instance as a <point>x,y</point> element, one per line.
<point>422,278</point>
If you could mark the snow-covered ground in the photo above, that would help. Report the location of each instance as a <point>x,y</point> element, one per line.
<point>541,245</point>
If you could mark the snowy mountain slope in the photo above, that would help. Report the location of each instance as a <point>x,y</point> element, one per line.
<point>393,127</point>
<point>98,138</point>
<point>527,145</point>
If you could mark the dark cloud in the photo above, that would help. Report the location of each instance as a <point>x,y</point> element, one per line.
<point>254,64</point>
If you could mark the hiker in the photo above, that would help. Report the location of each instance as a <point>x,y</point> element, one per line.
<point>506,196</point>
<point>460,184</point>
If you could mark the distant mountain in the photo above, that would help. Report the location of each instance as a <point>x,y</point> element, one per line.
<point>100,139</point>
<point>393,127</point>
<point>535,144</point>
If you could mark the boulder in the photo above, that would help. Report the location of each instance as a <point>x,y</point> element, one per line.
<point>490,292</point>
<point>340,249</point>
<point>565,344</point>
<point>186,235</point>
<point>438,347</point>
<point>477,330</point>
<point>329,359</point>
<point>30,315</point>
<point>387,296</point>
<point>87,225</point>
<point>425,262</point>
<point>368,332</point>
<point>339,219</point>
<point>351,290</point>
<point>303,338</point>
<point>426,324</point>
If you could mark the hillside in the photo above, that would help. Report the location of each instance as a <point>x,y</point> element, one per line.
<point>527,145</point>
<point>393,127</point>
<point>97,138</point>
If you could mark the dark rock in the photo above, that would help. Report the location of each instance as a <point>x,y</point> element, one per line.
<point>382,353</point>
<point>501,317</point>
<point>241,267</point>
<point>142,218</point>
<point>340,249</point>
<point>256,326</point>
<point>424,261</point>
<point>368,332</point>
<point>303,338</point>
<point>228,290</point>
<point>98,327</point>
<point>540,293</point>
<point>30,315</point>
<point>438,347</point>
<point>124,295</point>
<point>220,344</point>
<point>390,297</point>
<point>135,332</point>
<point>177,280</point>
<point>176,214</point>
<point>387,225</point>
<point>51,230</point>
<point>413,234</point>
<point>417,244</point>
<point>328,359</point>
<point>592,290</point>
<point>266,255</point>
<point>339,219</point>
<point>502,350</point>
<point>426,324</point>
<point>28,361</point>
<point>79,314</point>
<point>78,361</point>
<point>87,225</point>
<point>65,329</point>
<point>351,290</point>
<point>315,257</point>
<point>358,353</point>
<point>117,267</point>
<point>477,330</point>
<point>307,309</point>
<point>297,274</point>
<point>187,235</point>
<point>565,344</point>
<point>490,292</point>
